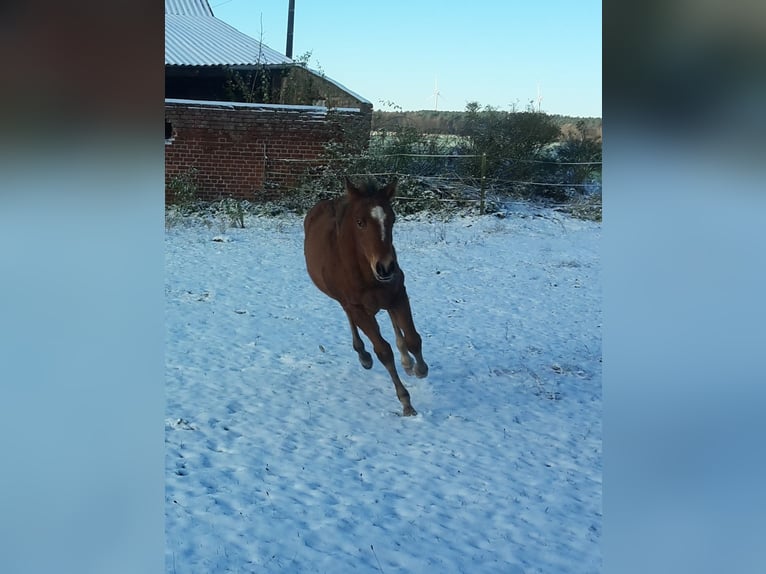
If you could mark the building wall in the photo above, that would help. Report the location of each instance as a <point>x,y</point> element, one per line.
<point>253,151</point>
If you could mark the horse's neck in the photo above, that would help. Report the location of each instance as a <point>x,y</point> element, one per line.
<point>340,206</point>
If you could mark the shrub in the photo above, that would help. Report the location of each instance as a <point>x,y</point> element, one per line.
<point>509,140</point>
<point>184,188</point>
<point>583,153</point>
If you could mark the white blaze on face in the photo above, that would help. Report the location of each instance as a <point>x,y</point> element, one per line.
<point>379,215</point>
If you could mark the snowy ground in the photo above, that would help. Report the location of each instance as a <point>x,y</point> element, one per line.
<point>284,455</point>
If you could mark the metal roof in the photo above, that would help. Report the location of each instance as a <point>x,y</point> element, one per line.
<point>188,7</point>
<point>194,37</point>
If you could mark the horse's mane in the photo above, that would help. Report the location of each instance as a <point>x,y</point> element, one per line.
<point>369,187</point>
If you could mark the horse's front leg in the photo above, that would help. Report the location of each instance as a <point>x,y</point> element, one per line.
<point>401,344</point>
<point>385,354</point>
<point>356,341</point>
<point>407,338</point>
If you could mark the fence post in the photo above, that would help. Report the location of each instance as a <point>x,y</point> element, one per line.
<point>483,178</point>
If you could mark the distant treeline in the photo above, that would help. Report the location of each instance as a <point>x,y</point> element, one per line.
<point>457,123</point>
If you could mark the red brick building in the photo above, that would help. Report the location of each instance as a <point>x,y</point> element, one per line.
<point>246,121</point>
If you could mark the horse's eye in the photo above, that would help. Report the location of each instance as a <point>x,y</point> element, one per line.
<point>360,223</point>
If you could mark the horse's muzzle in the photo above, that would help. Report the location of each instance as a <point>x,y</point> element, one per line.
<point>385,273</point>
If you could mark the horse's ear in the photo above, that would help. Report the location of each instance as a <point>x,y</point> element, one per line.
<point>351,189</point>
<point>390,188</point>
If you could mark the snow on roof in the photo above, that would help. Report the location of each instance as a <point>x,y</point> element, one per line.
<point>320,110</point>
<point>194,37</point>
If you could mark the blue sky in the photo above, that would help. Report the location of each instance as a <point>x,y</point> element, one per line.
<point>494,53</point>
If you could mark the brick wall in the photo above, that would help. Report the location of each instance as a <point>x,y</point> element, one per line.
<point>249,151</point>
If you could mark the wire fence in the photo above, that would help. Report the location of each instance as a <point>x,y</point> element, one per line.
<point>454,178</point>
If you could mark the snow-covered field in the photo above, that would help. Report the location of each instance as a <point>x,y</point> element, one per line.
<point>284,455</point>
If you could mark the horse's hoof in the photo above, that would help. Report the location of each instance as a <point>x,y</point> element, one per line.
<point>409,411</point>
<point>366,360</point>
<point>421,371</point>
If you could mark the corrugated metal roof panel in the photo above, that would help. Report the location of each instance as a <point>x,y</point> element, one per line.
<point>188,7</point>
<point>340,86</point>
<point>208,41</point>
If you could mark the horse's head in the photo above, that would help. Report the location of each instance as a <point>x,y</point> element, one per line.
<point>371,217</point>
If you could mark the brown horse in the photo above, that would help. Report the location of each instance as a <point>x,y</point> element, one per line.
<point>350,256</point>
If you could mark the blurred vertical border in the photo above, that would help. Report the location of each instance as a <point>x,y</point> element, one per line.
<point>81,295</point>
<point>684,284</point>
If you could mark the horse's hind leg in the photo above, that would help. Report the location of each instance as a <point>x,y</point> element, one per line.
<point>385,354</point>
<point>364,357</point>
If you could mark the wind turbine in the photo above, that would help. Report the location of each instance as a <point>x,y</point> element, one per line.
<point>436,93</point>
<point>539,97</point>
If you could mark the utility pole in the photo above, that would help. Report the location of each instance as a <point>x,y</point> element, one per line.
<point>290,23</point>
